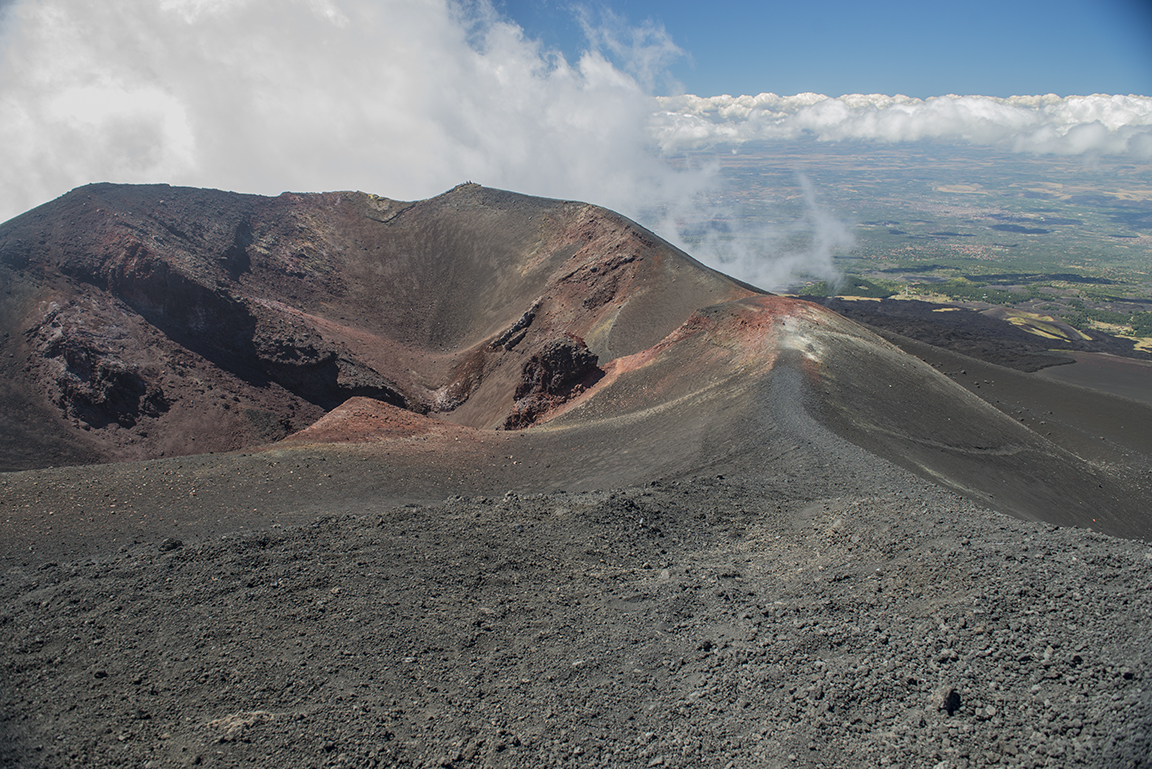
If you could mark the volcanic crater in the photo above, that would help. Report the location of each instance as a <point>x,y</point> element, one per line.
<point>150,321</point>
<point>501,433</point>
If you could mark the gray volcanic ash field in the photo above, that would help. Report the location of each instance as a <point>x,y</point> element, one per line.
<point>500,481</point>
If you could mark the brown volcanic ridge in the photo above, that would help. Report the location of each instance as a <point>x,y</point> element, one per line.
<point>475,343</point>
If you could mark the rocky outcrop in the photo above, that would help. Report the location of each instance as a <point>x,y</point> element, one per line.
<point>87,370</point>
<point>561,371</point>
<point>517,331</point>
<point>98,388</point>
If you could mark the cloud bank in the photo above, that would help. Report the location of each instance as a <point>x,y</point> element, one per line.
<point>1073,125</point>
<point>404,98</point>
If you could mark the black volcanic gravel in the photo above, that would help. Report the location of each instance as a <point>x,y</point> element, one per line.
<point>693,622</point>
<point>759,593</point>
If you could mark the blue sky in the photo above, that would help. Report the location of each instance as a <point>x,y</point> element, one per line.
<point>922,49</point>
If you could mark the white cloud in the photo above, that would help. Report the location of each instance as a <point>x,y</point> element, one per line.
<point>1096,124</point>
<point>407,98</point>
<point>397,97</point>
<point>404,98</point>
<point>644,52</point>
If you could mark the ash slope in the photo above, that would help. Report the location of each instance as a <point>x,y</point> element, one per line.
<point>836,611</point>
<point>147,322</point>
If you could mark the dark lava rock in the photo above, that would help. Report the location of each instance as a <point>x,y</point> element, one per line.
<point>561,370</point>
<point>950,701</point>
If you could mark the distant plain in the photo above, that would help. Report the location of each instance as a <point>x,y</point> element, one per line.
<point>1065,237</point>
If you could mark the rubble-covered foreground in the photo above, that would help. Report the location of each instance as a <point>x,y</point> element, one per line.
<point>707,622</point>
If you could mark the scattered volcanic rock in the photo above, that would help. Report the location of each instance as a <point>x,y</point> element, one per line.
<point>830,611</point>
<point>700,545</point>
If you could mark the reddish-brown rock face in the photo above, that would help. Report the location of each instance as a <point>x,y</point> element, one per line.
<point>158,321</point>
